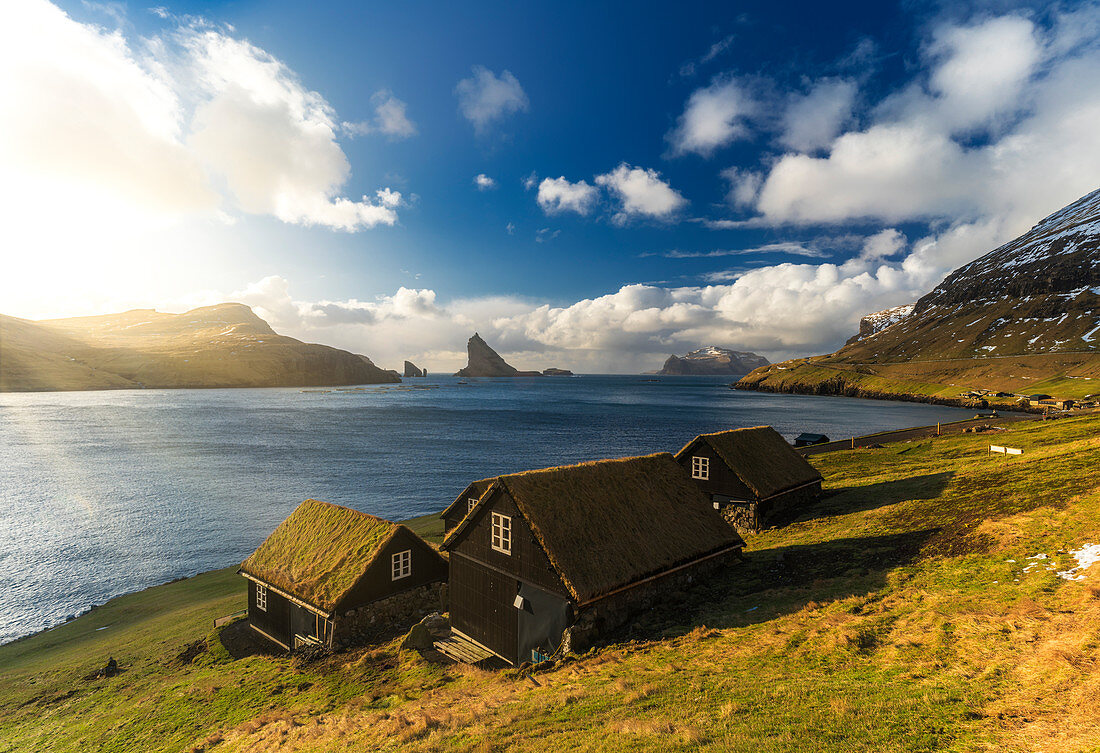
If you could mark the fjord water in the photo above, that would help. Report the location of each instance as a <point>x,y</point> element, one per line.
<point>103,493</point>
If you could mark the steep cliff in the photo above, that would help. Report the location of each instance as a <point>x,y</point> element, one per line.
<point>411,370</point>
<point>1024,318</point>
<point>483,361</point>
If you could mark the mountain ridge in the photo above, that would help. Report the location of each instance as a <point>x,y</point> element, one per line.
<point>1023,318</point>
<point>225,345</point>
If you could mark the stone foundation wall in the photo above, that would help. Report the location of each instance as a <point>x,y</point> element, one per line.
<point>604,616</point>
<point>390,616</point>
<point>743,517</point>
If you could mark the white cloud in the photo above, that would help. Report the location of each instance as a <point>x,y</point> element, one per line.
<point>713,117</point>
<point>982,68</point>
<point>485,97</point>
<point>641,193</point>
<point>159,126</point>
<point>882,244</point>
<point>744,186</point>
<point>1001,131</point>
<point>484,182</point>
<point>559,195</point>
<point>814,119</point>
<point>390,118</point>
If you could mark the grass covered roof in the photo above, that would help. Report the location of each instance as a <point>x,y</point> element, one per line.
<point>609,523</point>
<point>319,552</point>
<point>760,457</point>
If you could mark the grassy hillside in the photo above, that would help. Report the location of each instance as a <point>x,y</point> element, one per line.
<point>907,611</point>
<point>1060,374</point>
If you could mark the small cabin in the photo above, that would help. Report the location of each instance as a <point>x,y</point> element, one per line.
<point>463,503</point>
<point>329,575</point>
<point>750,475</point>
<point>549,560</point>
<point>806,439</point>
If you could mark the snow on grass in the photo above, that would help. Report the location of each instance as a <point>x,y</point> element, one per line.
<point>1086,556</point>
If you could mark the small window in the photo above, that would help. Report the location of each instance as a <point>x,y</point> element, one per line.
<point>401,565</point>
<point>470,503</point>
<point>261,597</point>
<point>502,533</point>
<point>700,468</point>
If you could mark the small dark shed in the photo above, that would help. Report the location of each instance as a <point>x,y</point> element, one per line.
<point>806,438</point>
<point>551,559</point>
<point>463,503</point>
<point>330,575</point>
<point>751,475</point>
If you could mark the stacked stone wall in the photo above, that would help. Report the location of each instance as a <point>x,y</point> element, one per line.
<point>388,617</point>
<point>606,615</point>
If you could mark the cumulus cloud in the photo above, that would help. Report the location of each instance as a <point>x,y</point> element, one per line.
<point>484,182</point>
<point>558,195</point>
<point>641,193</point>
<point>744,186</point>
<point>882,244</point>
<point>146,123</point>
<point>390,118</point>
<point>1001,129</point>
<point>713,117</point>
<point>486,97</point>
<point>812,120</point>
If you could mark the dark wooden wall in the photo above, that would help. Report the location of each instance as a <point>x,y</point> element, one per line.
<point>528,560</point>
<point>377,582</point>
<point>481,605</point>
<point>722,479</point>
<point>276,620</point>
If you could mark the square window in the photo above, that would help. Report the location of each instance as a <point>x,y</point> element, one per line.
<point>401,565</point>
<point>470,504</point>
<point>502,533</point>
<point>261,597</point>
<point>700,468</point>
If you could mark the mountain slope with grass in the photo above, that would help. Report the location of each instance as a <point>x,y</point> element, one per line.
<point>215,346</point>
<point>1024,318</point>
<point>917,607</point>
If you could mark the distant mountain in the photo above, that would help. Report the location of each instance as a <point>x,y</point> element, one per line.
<point>712,360</point>
<point>1024,318</point>
<point>215,346</point>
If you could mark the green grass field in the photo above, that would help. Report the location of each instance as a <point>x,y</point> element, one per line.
<point>900,613</point>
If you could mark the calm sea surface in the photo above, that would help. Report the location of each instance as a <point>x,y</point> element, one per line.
<point>103,493</point>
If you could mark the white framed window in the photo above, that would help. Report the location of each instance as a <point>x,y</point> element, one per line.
<point>261,597</point>
<point>470,503</point>
<point>700,468</point>
<point>401,565</point>
<point>502,533</point>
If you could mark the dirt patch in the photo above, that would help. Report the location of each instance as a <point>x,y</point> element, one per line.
<point>190,653</point>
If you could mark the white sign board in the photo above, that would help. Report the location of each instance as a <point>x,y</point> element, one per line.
<point>995,448</point>
<point>1013,451</point>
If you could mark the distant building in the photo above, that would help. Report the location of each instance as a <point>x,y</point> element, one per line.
<point>806,438</point>
<point>563,555</point>
<point>751,475</point>
<point>329,575</point>
<point>1052,403</point>
<point>463,503</point>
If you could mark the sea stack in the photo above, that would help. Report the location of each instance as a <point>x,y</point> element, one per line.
<point>412,371</point>
<point>483,361</point>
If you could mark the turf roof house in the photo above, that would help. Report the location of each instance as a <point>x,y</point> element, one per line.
<point>463,503</point>
<point>750,475</point>
<point>333,576</point>
<point>564,554</point>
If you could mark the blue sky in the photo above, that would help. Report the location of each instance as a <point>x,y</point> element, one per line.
<point>656,177</point>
